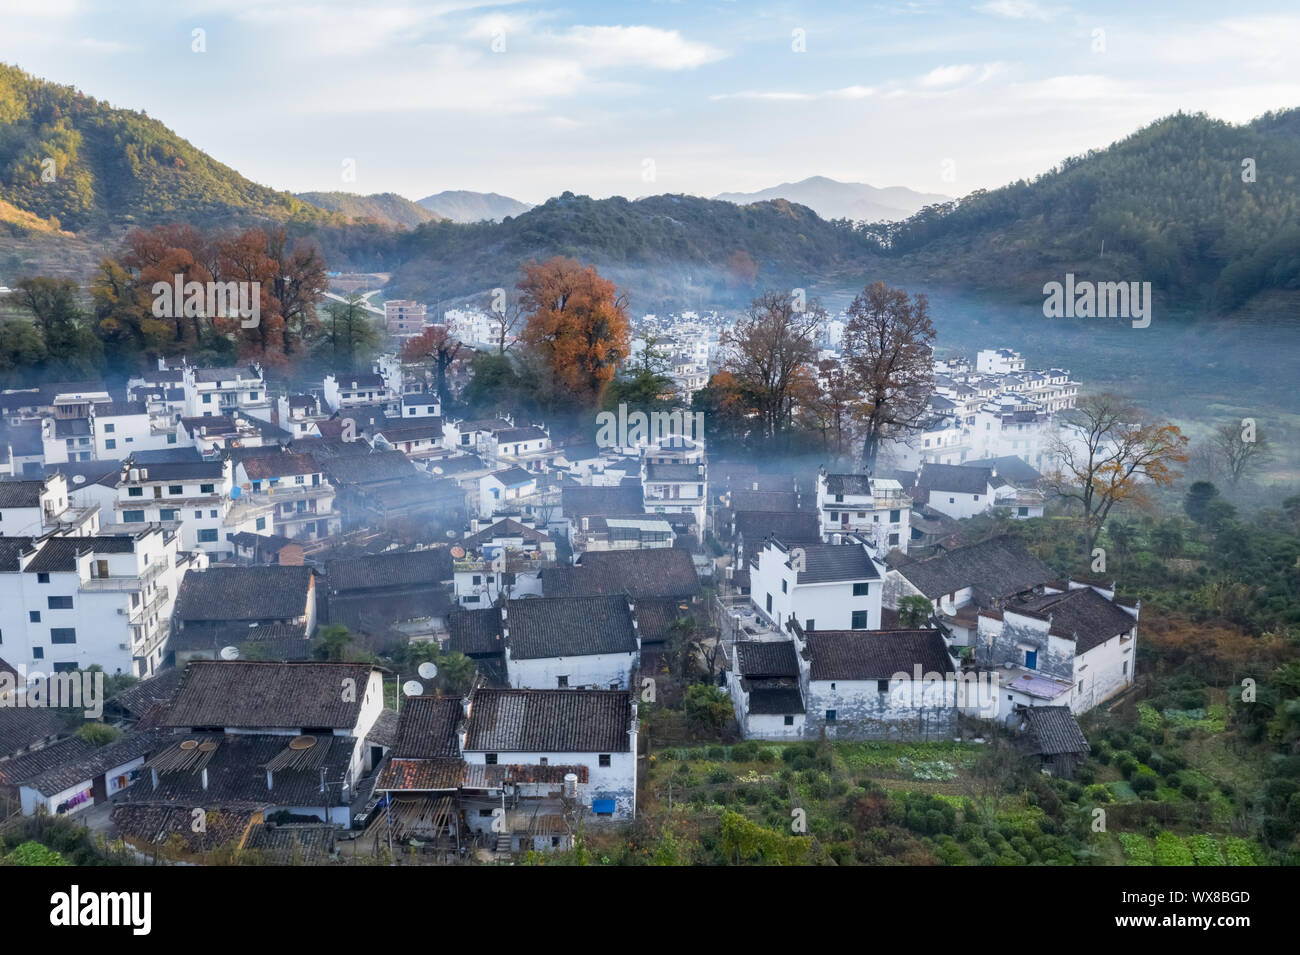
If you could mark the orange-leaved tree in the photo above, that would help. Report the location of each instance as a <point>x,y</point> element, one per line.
<point>577,327</point>
<point>1111,452</point>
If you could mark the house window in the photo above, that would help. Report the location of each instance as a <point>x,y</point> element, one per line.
<point>42,578</point>
<point>952,500</point>
<point>207,488</point>
<point>490,758</point>
<point>167,514</point>
<point>882,686</point>
<point>893,539</point>
<point>34,616</point>
<point>476,580</point>
<point>1023,511</point>
<point>789,721</point>
<point>38,653</point>
<point>861,590</point>
<point>110,444</point>
<point>65,668</point>
<point>604,760</point>
<point>1125,668</point>
<point>63,635</point>
<point>208,535</point>
<point>485,813</point>
<point>835,515</point>
<point>859,620</point>
<point>562,682</point>
<point>784,588</point>
<point>198,514</point>
<point>261,523</point>
<point>830,716</point>
<point>133,517</point>
<point>175,489</point>
<point>555,842</point>
<point>895,516</point>
<point>135,492</point>
<point>59,603</point>
<point>769,603</point>
<point>545,761</point>
<point>108,428</point>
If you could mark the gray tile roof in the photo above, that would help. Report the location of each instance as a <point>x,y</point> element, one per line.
<point>997,567</point>
<point>857,484</point>
<point>86,767</point>
<point>21,726</point>
<point>835,563</point>
<point>427,728</point>
<point>252,695</point>
<point>1082,614</point>
<point>475,632</point>
<point>1054,730</point>
<point>550,721</point>
<point>393,569</point>
<point>601,501</point>
<point>544,627</point>
<point>955,478</point>
<point>761,659</point>
<point>21,493</point>
<point>273,592</point>
<point>790,527</point>
<point>648,572</point>
<point>874,654</point>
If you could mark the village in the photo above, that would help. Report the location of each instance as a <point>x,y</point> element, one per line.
<point>236,553</point>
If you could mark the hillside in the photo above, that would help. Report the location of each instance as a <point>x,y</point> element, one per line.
<point>385,208</point>
<point>458,205</point>
<point>115,166</point>
<point>661,248</point>
<point>1169,203</point>
<point>832,199</point>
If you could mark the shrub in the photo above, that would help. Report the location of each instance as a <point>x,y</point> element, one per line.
<point>1137,849</point>
<point>1171,850</point>
<point>767,756</point>
<point>1205,851</point>
<point>745,752</point>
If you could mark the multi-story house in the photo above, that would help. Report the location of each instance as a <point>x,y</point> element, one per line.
<point>874,509</point>
<point>222,391</point>
<point>821,586</point>
<point>297,491</point>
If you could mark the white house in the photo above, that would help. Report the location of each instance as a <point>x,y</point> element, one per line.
<point>502,492</point>
<point>821,586</point>
<point>222,391</point>
<point>874,509</point>
<point>764,683</point>
<point>570,642</point>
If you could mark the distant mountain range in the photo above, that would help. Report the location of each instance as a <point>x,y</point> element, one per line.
<point>1206,211</point>
<point>856,201</point>
<point>387,208</point>
<point>461,206</point>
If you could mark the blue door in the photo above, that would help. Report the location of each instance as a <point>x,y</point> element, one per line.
<point>1031,659</point>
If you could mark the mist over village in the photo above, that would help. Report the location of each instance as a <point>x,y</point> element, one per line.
<point>508,435</point>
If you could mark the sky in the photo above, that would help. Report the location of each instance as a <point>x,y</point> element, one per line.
<point>532,99</point>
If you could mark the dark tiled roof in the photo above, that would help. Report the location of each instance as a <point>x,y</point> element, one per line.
<point>278,465</point>
<point>237,770</point>
<point>274,641</point>
<point>1054,730</point>
<point>136,700</point>
<point>413,429</point>
<point>656,615</point>
<point>775,698</point>
<point>514,435</point>
<point>369,468</point>
<point>1010,468</point>
<point>648,572</point>
<point>21,726</point>
<point>115,409</point>
<point>997,567</point>
<point>956,478</point>
<point>11,549</point>
<point>791,527</point>
<point>569,627</point>
<point>427,728</point>
<point>85,767</point>
<point>764,501</point>
<point>250,695</point>
<point>760,660</point>
<point>182,470</point>
<point>475,632</point>
<point>158,825</point>
<point>504,528</point>
<point>601,501</point>
<point>835,563</point>
<point>875,654</point>
<point>513,477</point>
<point>673,472</point>
<point>20,769</point>
<point>271,592</point>
<point>1083,614</point>
<point>856,484</point>
<point>21,493</point>
<point>392,569</point>
<point>550,721</point>
<point>59,554</point>
<point>421,774</point>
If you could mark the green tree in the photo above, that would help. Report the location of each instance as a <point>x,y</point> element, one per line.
<point>914,611</point>
<point>333,643</point>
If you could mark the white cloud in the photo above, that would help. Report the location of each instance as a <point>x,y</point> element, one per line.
<point>602,46</point>
<point>787,96</point>
<point>1014,9</point>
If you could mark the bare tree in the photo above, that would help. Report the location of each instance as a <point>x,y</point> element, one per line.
<point>1242,448</point>
<point>508,318</point>
<point>888,350</point>
<point>769,351</point>
<point>1112,452</point>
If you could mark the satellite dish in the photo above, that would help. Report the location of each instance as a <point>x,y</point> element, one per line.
<point>230,653</point>
<point>451,534</point>
<point>437,469</point>
<point>428,670</point>
<point>457,552</point>
<point>413,688</point>
<point>78,479</point>
<point>235,491</point>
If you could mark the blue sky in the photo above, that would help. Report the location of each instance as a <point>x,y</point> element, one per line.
<point>530,99</point>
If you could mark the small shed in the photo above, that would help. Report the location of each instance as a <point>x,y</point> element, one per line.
<point>1053,735</point>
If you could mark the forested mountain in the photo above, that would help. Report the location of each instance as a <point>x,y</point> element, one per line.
<point>67,156</point>
<point>459,205</point>
<point>385,208</point>
<point>832,199</point>
<point>1169,203</point>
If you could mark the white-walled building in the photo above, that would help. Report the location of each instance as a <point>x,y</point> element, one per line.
<point>874,509</point>
<point>821,586</point>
